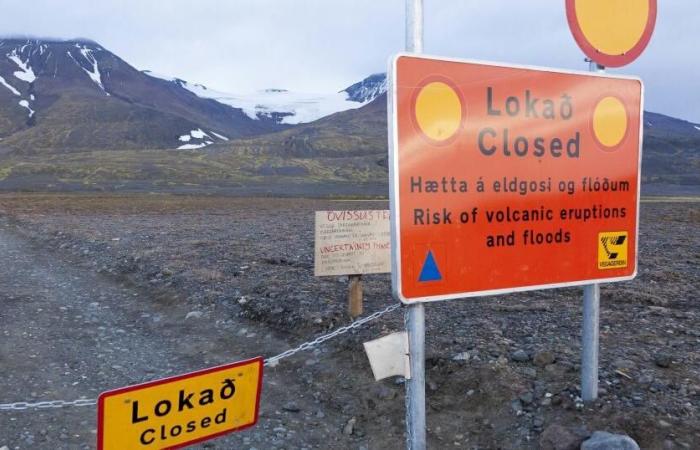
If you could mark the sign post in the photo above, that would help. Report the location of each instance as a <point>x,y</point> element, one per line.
<point>590,332</point>
<point>355,296</point>
<point>352,243</point>
<point>415,314</point>
<point>590,342</point>
<point>509,178</point>
<point>612,33</point>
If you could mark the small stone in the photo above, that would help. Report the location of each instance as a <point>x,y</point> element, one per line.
<point>664,424</point>
<point>516,406</point>
<point>349,427</point>
<point>291,407</point>
<point>382,392</point>
<point>520,356</point>
<point>558,437</point>
<point>464,356</point>
<point>602,440</point>
<point>624,364</point>
<point>530,372</point>
<point>543,358</point>
<point>663,360</point>
<point>526,397</point>
<point>4,447</point>
<point>194,315</point>
<point>645,379</point>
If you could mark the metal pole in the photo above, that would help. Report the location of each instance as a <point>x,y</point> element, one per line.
<point>589,353</point>
<point>591,324</point>
<point>415,386</point>
<point>415,314</point>
<point>414,26</point>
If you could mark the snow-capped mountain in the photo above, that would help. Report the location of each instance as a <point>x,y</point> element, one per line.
<point>288,107</point>
<point>75,95</point>
<point>368,89</point>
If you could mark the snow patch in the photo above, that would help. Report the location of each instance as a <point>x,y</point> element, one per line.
<point>223,138</point>
<point>95,72</point>
<point>26,73</point>
<point>198,134</point>
<point>7,85</point>
<point>191,146</point>
<point>295,107</point>
<point>696,127</point>
<point>25,104</point>
<point>280,104</point>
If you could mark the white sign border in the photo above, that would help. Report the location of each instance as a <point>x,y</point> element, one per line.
<point>394,183</point>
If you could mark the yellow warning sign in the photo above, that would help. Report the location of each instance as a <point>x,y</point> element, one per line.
<point>612,250</point>
<point>181,410</point>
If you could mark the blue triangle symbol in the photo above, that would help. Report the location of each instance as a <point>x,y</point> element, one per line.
<point>430,271</point>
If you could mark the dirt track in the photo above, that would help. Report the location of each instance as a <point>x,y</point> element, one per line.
<point>246,263</point>
<point>68,333</point>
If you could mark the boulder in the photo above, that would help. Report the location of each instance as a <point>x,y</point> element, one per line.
<point>602,440</point>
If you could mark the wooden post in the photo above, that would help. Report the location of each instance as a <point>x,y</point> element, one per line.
<point>355,296</point>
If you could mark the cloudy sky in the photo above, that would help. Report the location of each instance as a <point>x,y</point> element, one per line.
<point>325,45</point>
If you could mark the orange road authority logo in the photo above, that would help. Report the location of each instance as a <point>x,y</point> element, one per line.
<point>612,250</point>
<point>182,410</point>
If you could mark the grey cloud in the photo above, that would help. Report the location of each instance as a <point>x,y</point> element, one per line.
<point>317,45</point>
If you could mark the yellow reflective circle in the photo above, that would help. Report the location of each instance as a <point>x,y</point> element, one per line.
<point>612,27</point>
<point>438,111</point>
<point>610,121</point>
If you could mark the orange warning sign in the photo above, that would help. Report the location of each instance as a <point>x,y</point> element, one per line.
<point>506,178</point>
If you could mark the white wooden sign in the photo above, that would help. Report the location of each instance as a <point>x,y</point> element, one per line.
<point>352,242</point>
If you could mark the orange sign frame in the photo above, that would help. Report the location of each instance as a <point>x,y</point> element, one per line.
<point>623,57</point>
<point>501,177</point>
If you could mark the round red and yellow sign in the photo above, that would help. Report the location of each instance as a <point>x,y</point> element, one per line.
<point>612,33</point>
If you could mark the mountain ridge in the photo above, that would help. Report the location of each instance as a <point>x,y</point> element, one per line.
<point>73,94</point>
<point>75,116</point>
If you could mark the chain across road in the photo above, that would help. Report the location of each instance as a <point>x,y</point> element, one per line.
<point>272,361</point>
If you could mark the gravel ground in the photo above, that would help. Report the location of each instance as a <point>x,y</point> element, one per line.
<point>502,372</point>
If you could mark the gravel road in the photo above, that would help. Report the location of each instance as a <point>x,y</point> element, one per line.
<point>502,371</point>
<point>68,333</point>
